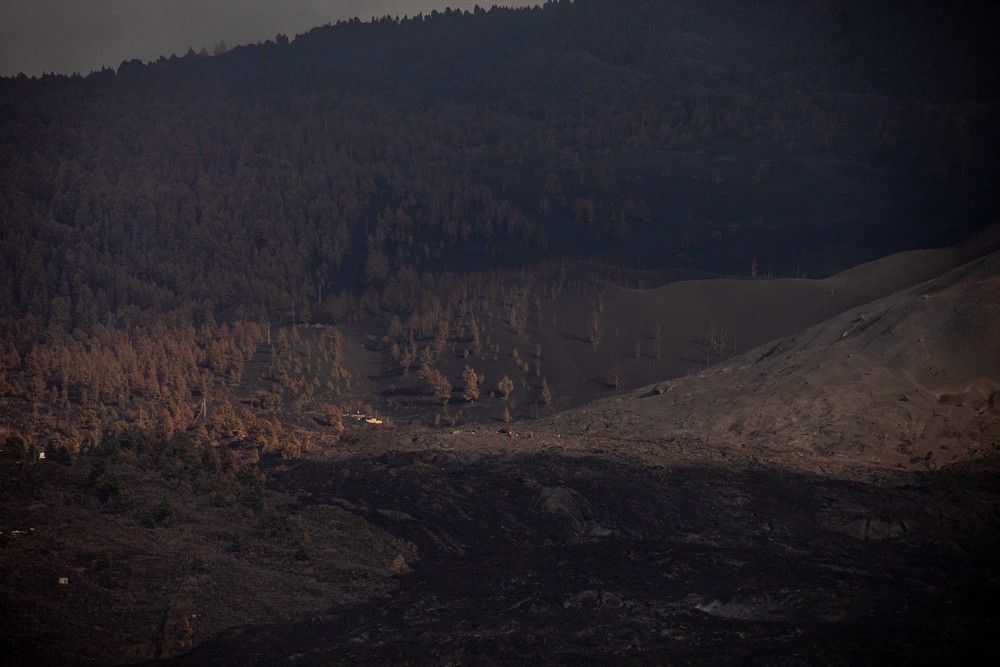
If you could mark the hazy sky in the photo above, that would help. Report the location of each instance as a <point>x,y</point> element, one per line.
<point>83,35</point>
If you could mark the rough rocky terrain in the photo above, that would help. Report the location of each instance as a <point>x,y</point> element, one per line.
<point>574,559</point>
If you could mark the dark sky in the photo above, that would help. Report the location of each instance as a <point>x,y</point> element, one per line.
<point>83,35</point>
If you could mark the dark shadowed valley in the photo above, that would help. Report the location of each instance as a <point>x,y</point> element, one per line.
<point>590,332</point>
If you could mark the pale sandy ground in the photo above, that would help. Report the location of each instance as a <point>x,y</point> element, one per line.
<point>910,381</point>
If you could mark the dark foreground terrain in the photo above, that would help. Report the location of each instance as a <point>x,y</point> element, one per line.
<point>441,554</point>
<point>573,559</point>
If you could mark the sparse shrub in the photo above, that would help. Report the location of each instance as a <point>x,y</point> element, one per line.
<point>17,448</point>
<point>273,524</point>
<point>613,378</point>
<point>58,453</point>
<point>162,511</point>
<point>266,400</point>
<point>145,518</point>
<point>157,515</point>
<point>399,565</point>
<point>107,484</point>
<point>237,543</point>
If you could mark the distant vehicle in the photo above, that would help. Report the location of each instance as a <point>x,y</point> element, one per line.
<point>368,419</point>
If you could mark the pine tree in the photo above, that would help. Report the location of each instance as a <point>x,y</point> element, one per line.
<point>596,328</point>
<point>505,386</point>
<point>470,380</point>
<point>475,341</point>
<point>545,396</point>
<point>435,383</point>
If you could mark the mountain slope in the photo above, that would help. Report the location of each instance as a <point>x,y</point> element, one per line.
<point>911,380</point>
<point>700,322</point>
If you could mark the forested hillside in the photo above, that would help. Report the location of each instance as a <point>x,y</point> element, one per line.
<point>422,182</point>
